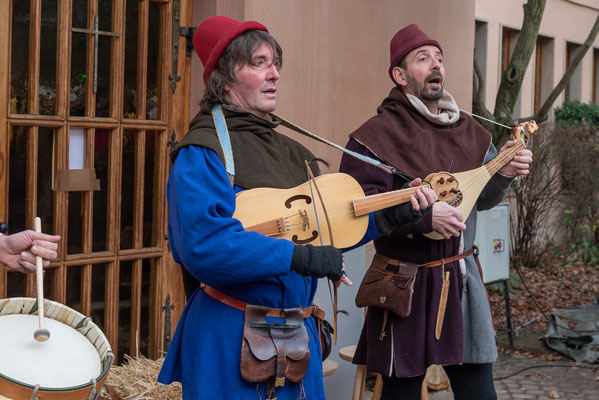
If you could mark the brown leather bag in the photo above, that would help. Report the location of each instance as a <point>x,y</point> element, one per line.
<point>388,284</point>
<point>274,351</point>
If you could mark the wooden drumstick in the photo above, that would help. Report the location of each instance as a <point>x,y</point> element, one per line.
<point>41,334</point>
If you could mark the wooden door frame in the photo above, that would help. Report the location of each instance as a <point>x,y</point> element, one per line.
<point>172,284</point>
<point>165,277</point>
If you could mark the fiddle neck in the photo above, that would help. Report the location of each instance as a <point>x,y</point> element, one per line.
<point>368,204</point>
<point>502,159</point>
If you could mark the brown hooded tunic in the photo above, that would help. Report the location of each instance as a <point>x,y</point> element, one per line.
<point>402,137</point>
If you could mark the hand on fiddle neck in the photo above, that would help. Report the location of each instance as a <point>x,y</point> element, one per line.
<point>520,163</point>
<point>447,220</point>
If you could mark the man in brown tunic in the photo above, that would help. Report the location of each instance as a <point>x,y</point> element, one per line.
<point>419,130</point>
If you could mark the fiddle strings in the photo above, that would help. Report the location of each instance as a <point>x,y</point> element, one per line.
<point>340,210</point>
<point>498,162</point>
<point>347,208</point>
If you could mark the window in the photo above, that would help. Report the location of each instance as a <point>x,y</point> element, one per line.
<point>508,42</point>
<point>574,87</point>
<point>595,93</point>
<point>480,50</point>
<point>543,70</point>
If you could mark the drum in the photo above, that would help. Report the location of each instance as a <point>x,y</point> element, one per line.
<point>72,364</point>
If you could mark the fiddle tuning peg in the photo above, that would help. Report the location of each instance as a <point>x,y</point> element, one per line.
<point>3,227</point>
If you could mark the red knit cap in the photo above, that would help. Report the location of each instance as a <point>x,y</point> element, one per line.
<point>213,36</point>
<point>406,40</point>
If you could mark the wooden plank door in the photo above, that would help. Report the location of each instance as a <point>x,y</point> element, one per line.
<point>86,111</point>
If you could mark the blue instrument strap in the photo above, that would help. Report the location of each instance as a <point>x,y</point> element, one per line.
<point>225,140</point>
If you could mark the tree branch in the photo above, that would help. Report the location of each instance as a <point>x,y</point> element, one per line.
<point>580,53</point>
<point>478,84</point>
<point>478,104</point>
<point>511,80</point>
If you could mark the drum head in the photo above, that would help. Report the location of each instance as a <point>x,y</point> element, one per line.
<point>72,364</point>
<point>67,359</point>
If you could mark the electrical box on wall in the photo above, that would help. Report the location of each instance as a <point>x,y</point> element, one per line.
<point>493,240</point>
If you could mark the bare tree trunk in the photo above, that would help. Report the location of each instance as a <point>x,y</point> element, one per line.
<point>511,80</point>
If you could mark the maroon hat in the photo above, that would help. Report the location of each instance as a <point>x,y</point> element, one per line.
<point>406,40</point>
<point>213,36</point>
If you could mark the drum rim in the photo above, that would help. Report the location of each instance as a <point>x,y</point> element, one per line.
<point>106,362</point>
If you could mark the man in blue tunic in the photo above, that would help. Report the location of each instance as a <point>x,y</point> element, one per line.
<point>239,267</point>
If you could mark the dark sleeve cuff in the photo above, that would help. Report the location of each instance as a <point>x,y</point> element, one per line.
<point>422,226</point>
<point>382,224</point>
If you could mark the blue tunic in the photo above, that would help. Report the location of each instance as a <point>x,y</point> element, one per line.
<point>213,246</point>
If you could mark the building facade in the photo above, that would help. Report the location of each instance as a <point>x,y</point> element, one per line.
<point>564,27</point>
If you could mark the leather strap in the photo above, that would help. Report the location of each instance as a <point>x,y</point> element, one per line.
<point>480,271</point>
<point>473,250</point>
<point>313,310</point>
<point>387,168</point>
<point>225,141</point>
<point>442,304</point>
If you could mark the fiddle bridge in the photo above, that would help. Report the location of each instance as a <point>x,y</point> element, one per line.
<point>305,220</point>
<point>272,227</point>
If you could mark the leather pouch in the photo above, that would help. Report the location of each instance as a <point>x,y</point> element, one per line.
<point>274,349</point>
<point>325,331</point>
<point>388,286</point>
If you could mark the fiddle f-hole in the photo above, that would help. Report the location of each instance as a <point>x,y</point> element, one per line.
<point>295,239</point>
<point>304,197</point>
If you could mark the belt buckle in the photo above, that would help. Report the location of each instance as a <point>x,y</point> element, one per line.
<point>280,382</point>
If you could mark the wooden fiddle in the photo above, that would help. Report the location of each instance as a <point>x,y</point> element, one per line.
<point>298,214</point>
<point>472,182</point>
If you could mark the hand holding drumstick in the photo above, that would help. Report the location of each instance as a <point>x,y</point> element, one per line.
<point>19,250</point>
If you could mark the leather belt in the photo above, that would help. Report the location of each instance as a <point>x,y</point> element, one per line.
<point>474,250</point>
<point>313,310</point>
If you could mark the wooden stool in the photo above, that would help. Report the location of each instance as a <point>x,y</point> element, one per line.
<point>329,367</point>
<point>378,387</point>
<point>347,354</point>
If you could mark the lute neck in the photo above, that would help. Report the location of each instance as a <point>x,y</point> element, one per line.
<point>501,160</point>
